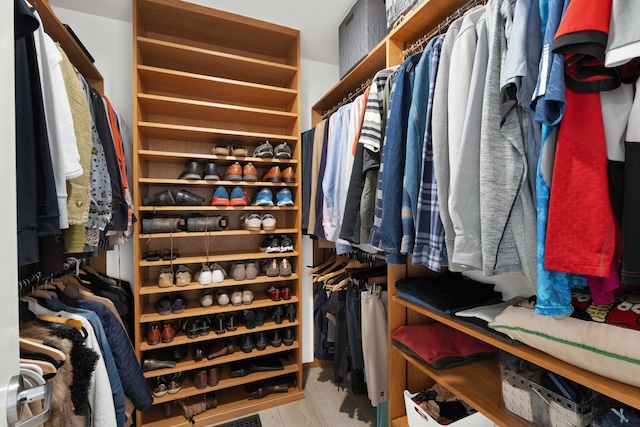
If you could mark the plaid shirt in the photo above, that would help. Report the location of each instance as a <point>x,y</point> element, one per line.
<point>429,238</point>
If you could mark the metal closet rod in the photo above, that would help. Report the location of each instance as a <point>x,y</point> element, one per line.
<point>352,95</point>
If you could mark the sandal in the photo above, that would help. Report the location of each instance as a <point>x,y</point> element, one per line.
<point>152,255</point>
<point>170,254</point>
<point>264,150</point>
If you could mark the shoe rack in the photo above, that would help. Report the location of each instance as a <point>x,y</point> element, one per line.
<point>477,383</point>
<point>203,78</point>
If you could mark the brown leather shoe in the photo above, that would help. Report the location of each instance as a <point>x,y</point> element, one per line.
<point>153,334</point>
<point>249,173</point>
<point>168,331</point>
<point>288,175</point>
<point>259,390</point>
<point>220,348</point>
<point>214,376</point>
<point>273,175</point>
<point>233,173</point>
<point>200,379</point>
<point>167,408</point>
<point>195,405</point>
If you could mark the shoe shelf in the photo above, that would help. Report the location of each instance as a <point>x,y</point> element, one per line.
<point>180,57</point>
<point>152,288</point>
<point>188,364</point>
<point>182,339</point>
<point>161,81</point>
<point>181,158</point>
<point>167,106</point>
<point>215,208</point>
<point>232,403</point>
<point>210,135</point>
<point>186,234</point>
<point>219,257</point>
<point>194,309</point>
<point>201,182</point>
<point>188,389</point>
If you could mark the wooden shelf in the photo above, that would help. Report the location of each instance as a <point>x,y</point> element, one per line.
<point>478,384</point>
<point>200,182</point>
<point>226,382</point>
<point>188,364</point>
<point>619,391</point>
<point>194,309</point>
<point>216,233</point>
<point>151,288</point>
<point>400,422</point>
<point>366,69</point>
<point>171,157</point>
<point>219,257</point>
<point>211,111</point>
<point>231,404</point>
<point>210,135</point>
<point>182,339</point>
<point>423,19</point>
<point>215,208</point>
<point>180,57</point>
<point>214,89</point>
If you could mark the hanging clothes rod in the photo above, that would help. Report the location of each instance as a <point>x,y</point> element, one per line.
<point>352,95</point>
<point>71,265</point>
<point>442,27</point>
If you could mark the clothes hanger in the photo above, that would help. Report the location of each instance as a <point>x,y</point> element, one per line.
<point>319,267</point>
<point>354,263</point>
<point>339,262</point>
<point>35,346</point>
<point>48,369</point>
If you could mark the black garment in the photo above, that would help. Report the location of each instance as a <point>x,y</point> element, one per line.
<point>119,205</point>
<point>323,350</point>
<point>630,223</point>
<point>354,332</point>
<point>337,307</point>
<point>350,230</point>
<point>449,291</point>
<point>318,230</point>
<point>307,161</point>
<point>615,173</point>
<point>37,201</point>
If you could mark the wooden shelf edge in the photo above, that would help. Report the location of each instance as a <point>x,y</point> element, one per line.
<point>400,422</point>
<point>203,183</point>
<point>151,288</point>
<point>215,208</point>
<point>623,392</point>
<point>219,257</point>
<point>151,126</point>
<point>169,156</point>
<point>223,233</point>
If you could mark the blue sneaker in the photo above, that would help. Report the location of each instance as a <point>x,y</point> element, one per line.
<point>284,197</point>
<point>264,198</point>
<point>220,197</point>
<point>238,197</point>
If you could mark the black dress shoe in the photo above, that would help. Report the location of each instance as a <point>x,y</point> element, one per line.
<point>288,337</point>
<point>191,171</point>
<point>275,339</point>
<point>249,319</point>
<point>219,324</point>
<point>231,322</point>
<point>204,325</point>
<point>260,316</point>
<point>291,313</point>
<point>246,343</point>
<point>260,341</point>
<point>192,329</point>
<point>278,315</point>
<point>210,172</point>
<point>187,198</point>
<point>161,198</point>
<point>198,352</point>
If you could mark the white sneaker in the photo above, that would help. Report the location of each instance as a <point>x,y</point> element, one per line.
<point>217,273</point>
<point>251,222</point>
<point>268,222</point>
<point>204,276</point>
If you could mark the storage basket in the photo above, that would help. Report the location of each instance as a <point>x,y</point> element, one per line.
<point>417,417</point>
<point>543,407</point>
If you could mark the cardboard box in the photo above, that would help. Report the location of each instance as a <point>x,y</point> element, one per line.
<point>419,418</point>
<point>360,31</point>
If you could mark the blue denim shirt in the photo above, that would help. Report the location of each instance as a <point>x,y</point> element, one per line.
<point>333,154</point>
<point>394,155</point>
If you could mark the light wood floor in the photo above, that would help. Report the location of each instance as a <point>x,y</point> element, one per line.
<point>324,405</point>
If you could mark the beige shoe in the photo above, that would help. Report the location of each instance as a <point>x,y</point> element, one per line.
<point>183,276</point>
<point>166,278</point>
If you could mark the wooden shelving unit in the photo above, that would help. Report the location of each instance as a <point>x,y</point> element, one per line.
<point>478,383</point>
<point>201,77</point>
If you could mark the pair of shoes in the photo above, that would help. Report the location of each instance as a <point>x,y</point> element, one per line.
<point>255,222</point>
<point>244,270</point>
<point>199,223</point>
<point>266,150</point>
<point>194,328</point>
<point>275,175</point>
<point>219,348</point>
<point>167,279</point>
<point>249,341</point>
<point>274,244</point>
<point>265,198</point>
<point>236,149</point>
<point>276,294</point>
<point>164,305</point>
<point>247,173</point>
<point>165,198</point>
<point>242,297</point>
<point>265,388</point>
<point>223,323</point>
<point>210,274</point>
<point>273,268</point>
<point>192,171</point>
<point>165,255</point>
<point>206,377</point>
<point>253,318</point>
<point>238,197</point>
<point>162,225</point>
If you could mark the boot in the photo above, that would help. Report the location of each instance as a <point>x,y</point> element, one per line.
<point>195,405</point>
<point>161,225</point>
<point>266,388</point>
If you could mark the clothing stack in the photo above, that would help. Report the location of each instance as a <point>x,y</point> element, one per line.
<point>70,144</point>
<point>449,158</point>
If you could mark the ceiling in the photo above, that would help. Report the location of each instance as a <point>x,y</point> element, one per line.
<point>317,21</point>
